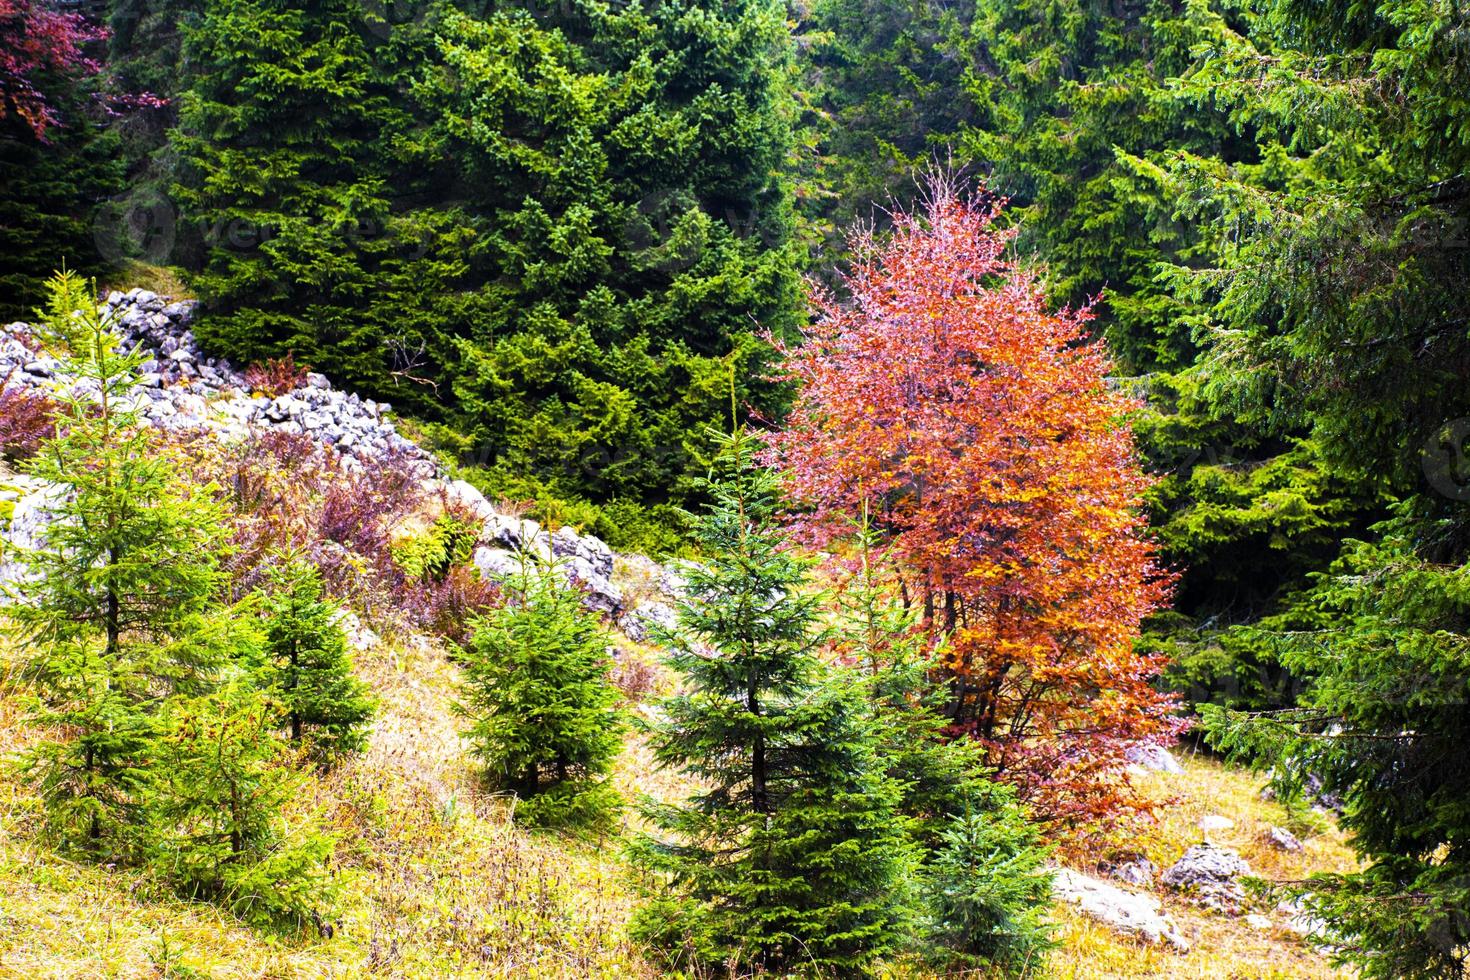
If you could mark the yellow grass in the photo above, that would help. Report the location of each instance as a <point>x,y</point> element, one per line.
<point>439,882</point>
<point>1221,947</point>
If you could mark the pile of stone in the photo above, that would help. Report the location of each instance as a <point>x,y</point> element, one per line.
<point>182,387</point>
<point>1210,876</point>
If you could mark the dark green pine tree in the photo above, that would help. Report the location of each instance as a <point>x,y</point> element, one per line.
<point>543,711</point>
<point>1383,727</point>
<point>794,857</point>
<point>283,127</point>
<point>308,670</point>
<point>116,607</point>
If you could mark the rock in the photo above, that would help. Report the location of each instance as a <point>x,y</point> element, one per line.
<point>517,534</point>
<point>359,636</point>
<point>1214,822</point>
<point>1154,758</point>
<point>638,623</point>
<point>599,593</point>
<point>181,312</point>
<point>1283,839</point>
<point>464,495</point>
<point>34,510</point>
<point>567,543</point>
<point>1211,876</point>
<point>1124,912</point>
<point>496,564</point>
<point>1139,872</point>
<point>1257,921</point>
<point>318,381</point>
<point>673,581</point>
<point>1301,921</point>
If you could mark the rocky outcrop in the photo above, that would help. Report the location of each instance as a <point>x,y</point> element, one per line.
<point>642,623</point>
<point>185,388</point>
<point>1127,913</point>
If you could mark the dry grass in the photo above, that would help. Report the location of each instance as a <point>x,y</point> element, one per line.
<point>1222,947</point>
<point>438,882</point>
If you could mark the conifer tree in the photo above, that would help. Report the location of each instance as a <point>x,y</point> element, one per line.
<point>115,604</point>
<point>543,710</point>
<point>308,669</point>
<point>795,855</point>
<point>983,887</point>
<point>218,830</point>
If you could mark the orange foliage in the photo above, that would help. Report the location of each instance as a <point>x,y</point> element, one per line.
<point>981,430</point>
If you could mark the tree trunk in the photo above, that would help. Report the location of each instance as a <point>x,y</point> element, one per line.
<point>758,796</point>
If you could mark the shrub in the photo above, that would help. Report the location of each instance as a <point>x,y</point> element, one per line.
<point>987,892</point>
<point>308,670</point>
<point>27,419</point>
<point>543,712</point>
<point>276,376</point>
<point>450,606</point>
<point>218,828</point>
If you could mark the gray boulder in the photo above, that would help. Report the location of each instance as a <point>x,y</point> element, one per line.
<point>1210,875</point>
<point>496,564</point>
<point>639,622</point>
<point>1283,840</point>
<point>1154,758</point>
<point>599,593</point>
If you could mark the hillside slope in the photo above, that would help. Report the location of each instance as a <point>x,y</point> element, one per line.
<point>437,878</point>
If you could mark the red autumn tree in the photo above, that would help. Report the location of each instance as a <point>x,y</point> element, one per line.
<point>980,430</point>
<point>36,41</point>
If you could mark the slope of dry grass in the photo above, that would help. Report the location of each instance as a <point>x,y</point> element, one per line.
<point>1221,946</point>
<point>438,882</point>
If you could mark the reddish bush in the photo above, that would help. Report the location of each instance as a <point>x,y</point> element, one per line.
<point>26,420</point>
<point>276,376</point>
<point>449,606</point>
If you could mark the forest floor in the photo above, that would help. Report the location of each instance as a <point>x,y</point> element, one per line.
<point>438,882</point>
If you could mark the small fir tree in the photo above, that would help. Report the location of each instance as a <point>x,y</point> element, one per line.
<point>984,889</point>
<point>543,710</point>
<point>307,667</point>
<point>939,776</point>
<point>116,603</point>
<point>218,827</point>
<point>794,855</point>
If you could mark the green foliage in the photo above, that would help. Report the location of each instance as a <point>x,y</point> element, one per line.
<point>308,671</point>
<point>1333,304</point>
<point>49,192</point>
<point>987,891</point>
<point>116,604</point>
<point>543,712</point>
<point>217,827</point>
<point>148,753</point>
<point>449,541</point>
<point>795,856</point>
<point>1382,727</point>
<point>562,233</point>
